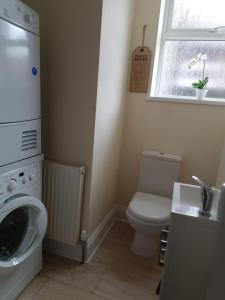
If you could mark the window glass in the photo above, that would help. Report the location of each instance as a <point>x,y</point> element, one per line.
<point>190,14</point>
<point>177,79</point>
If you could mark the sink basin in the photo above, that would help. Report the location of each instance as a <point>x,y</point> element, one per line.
<point>187,200</point>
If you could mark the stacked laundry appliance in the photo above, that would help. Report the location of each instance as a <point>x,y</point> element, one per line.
<point>23,217</point>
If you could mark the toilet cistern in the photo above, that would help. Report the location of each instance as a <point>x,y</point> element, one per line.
<point>206,197</point>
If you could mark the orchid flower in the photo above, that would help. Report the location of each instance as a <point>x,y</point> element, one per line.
<point>199,58</point>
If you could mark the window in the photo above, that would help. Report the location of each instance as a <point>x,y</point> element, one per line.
<point>189,27</point>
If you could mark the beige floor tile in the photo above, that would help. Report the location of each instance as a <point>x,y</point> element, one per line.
<point>33,288</point>
<point>55,290</point>
<point>117,286</point>
<point>87,276</point>
<point>127,276</point>
<point>67,271</point>
<point>156,273</point>
<point>116,249</point>
<point>123,230</point>
<point>142,277</point>
<point>114,273</point>
<point>50,294</point>
<point>58,273</point>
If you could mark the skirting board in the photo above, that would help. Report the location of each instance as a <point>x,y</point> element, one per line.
<point>98,236</point>
<point>121,213</point>
<point>117,213</point>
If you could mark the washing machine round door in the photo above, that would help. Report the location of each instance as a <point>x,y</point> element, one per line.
<point>23,223</point>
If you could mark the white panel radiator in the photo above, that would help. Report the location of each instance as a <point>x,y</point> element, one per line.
<point>63,189</point>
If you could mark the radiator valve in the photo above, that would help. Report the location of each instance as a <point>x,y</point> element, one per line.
<point>83,238</point>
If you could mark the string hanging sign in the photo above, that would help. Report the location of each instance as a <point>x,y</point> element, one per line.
<point>141,60</point>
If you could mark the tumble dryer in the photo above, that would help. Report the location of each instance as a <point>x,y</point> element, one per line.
<point>20,108</point>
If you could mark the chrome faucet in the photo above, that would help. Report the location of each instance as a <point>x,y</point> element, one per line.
<point>207,197</point>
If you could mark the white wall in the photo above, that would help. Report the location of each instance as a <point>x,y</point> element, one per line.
<point>196,132</point>
<point>112,89</point>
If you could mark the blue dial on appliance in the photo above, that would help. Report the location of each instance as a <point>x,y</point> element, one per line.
<point>34,71</point>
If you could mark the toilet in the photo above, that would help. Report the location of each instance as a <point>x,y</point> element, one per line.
<point>149,211</point>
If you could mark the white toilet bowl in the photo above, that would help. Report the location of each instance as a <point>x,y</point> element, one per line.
<point>148,215</point>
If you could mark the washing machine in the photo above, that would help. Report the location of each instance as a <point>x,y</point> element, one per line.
<point>20,104</point>
<point>23,222</point>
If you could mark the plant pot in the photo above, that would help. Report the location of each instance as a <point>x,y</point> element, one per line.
<point>201,93</point>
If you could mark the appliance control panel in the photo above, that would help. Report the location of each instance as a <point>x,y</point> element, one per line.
<point>19,180</point>
<point>20,14</point>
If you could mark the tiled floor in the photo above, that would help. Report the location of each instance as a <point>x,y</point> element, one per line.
<point>115,273</point>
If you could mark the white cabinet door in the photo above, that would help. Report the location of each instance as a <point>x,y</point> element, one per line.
<point>216,288</point>
<point>19,74</point>
<point>189,258</point>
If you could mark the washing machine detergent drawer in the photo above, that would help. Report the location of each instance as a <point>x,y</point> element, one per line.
<point>19,141</point>
<point>20,74</point>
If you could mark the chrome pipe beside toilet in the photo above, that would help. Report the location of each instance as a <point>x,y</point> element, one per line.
<point>163,246</point>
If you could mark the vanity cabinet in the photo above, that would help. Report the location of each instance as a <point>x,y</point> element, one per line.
<point>191,246</point>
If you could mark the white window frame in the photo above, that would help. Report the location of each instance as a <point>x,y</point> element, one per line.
<point>166,33</point>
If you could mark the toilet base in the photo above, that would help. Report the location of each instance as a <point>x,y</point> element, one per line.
<point>145,245</point>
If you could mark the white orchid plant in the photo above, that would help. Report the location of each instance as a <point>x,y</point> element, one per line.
<point>199,59</point>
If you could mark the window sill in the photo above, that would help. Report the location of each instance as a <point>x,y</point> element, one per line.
<point>183,99</point>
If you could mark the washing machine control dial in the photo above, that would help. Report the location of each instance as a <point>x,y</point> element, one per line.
<point>12,185</point>
<point>28,18</point>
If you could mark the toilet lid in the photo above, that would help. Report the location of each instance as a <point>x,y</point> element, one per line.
<point>150,208</point>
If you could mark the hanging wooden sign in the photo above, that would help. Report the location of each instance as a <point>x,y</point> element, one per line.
<point>140,68</point>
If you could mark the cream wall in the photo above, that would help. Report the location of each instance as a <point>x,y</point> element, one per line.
<point>70,43</point>
<point>196,132</point>
<point>112,89</point>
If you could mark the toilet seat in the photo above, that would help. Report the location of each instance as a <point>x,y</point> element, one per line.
<point>150,208</point>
